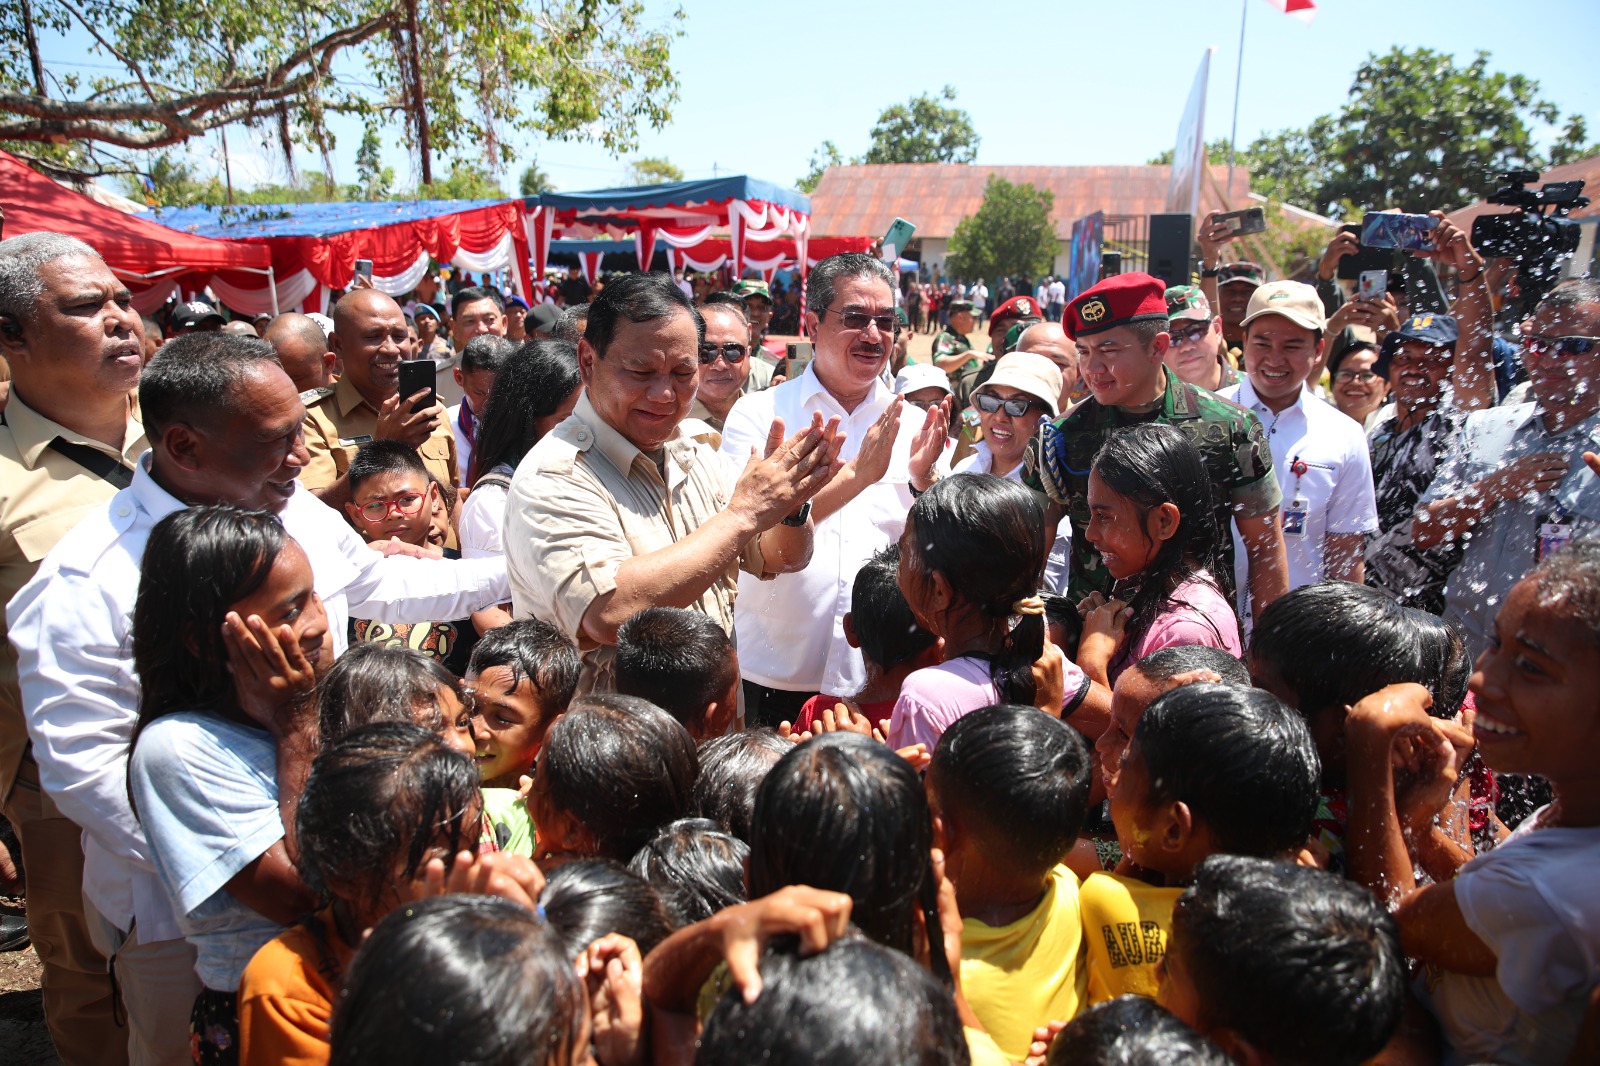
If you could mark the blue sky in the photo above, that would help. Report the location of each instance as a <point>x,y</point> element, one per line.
<point>1050,84</point>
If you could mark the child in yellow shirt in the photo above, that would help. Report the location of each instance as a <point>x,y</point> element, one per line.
<point>1008,786</point>
<point>1211,769</point>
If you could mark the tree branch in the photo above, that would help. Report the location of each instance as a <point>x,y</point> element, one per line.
<point>133,68</point>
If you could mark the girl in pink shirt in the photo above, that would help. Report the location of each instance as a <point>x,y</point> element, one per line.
<point>1150,518</point>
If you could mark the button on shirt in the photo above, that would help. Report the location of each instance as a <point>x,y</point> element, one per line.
<point>1505,544</point>
<point>43,494</point>
<point>1321,459</point>
<point>791,628</point>
<point>72,627</point>
<point>585,500</point>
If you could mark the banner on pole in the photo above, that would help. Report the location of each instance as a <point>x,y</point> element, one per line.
<point>1189,153</point>
<point>1088,234</point>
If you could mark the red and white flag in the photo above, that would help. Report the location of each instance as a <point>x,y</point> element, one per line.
<point>1304,10</point>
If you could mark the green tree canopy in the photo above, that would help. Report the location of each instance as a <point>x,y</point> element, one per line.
<point>650,170</point>
<point>457,75</point>
<point>534,181</point>
<point>924,130</point>
<point>827,155</point>
<point>1010,234</point>
<point>1417,132</point>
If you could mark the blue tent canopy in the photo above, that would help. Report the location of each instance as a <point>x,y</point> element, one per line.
<point>239,221</point>
<point>575,247</point>
<point>672,194</point>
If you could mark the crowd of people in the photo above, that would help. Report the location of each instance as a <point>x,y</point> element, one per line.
<point>1197,673</point>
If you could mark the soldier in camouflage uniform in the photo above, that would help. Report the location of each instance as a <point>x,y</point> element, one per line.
<point>950,344</point>
<point>1119,326</point>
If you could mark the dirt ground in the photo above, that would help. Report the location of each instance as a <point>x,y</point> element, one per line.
<point>24,1041</point>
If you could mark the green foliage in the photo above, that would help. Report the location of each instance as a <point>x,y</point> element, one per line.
<point>373,179</point>
<point>459,75</point>
<point>1572,145</point>
<point>827,155</point>
<point>924,130</point>
<point>1418,132</point>
<point>1216,152</point>
<point>1011,233</point>
<point>534,181</point>
<point>650,170</point>
<point>464,182</point>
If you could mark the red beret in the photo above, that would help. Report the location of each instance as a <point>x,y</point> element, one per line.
<point>1018,307</point>
<point>1116,301</point>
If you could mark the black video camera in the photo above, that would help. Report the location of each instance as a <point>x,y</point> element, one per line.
<point>1537,235</point>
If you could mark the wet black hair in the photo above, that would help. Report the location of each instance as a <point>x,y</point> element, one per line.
<point>1061,614</point>
<point>897,1015</point>
<point>587,899</point>
<point>1152,464</point>
<point>844,813</point>
<point>1333,642</point>
<point>197,378</point>
<point>622,767</point>
<point>731,771</point>
<point>1020,779</point>
<point>696,866</point>
<point>487,351</point>
<point>536,652</point>
<point>472,294</point>
<point>1569,580</point>
<point>1302,963</point>
<point>459,980</point>
<point>986,535</point>
<point>534,382</point>
<point>882,620</point>
<point>637,298</point>
<point>679,660</point>
<point>376,683</point>
<point>1132,1031</point>
<point>1244,763</point>
<point>383,794</point>
<point>1164,664</point>
<point>384,457</point>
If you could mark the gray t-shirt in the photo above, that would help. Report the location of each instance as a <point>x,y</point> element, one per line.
<point>207,795</point>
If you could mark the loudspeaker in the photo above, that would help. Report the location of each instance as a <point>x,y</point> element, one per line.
<point>1171,239</point>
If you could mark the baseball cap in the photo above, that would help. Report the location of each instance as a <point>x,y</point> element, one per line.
<point>191,314</point>
<point>516,301</point>
<point>745,288</point>
<point>1294,300</point>
<point>542,319</point>
<point>1116,301</point>
<point>1031,373</point>
<point>417,308</point>
<point>1188,303</point>
<point>1242,271</point>
<point>916,376</point>
<point>1438,331</point>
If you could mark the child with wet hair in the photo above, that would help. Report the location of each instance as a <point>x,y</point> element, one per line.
<point>683,662</point>
<point>1132,1031</point>
<point>731,771</point>
<point>696,866</point>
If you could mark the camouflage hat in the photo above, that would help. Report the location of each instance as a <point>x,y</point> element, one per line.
<point>1014,334</point>
<point>1187,302</point>
<point>748,287</point>
<point>960,305</point>
<point>1241,272</point>
<point>901,317</point>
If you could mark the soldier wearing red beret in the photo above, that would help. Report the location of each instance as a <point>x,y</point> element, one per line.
<point>1120,328</point>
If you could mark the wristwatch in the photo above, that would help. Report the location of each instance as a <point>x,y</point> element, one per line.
<point>1211,271</point>
<point>799,517</point>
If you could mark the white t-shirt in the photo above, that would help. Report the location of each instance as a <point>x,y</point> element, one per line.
<point>1533,901</point>
<point>1057,292</point>
<point>483,516</point>
<point>1333,482</point>
<point>463,440</point>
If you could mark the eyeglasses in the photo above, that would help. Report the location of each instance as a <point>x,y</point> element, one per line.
<point>733,353</point>
<point>1566,346</point>
<point>1192,335</point>
<point>1361,376</point>
<point>854,320</point>
<point>925,404</point>
<point>1016,407</point>
<point>405,506</point>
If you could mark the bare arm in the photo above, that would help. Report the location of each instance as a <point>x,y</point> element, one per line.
<point>1472,372</point>
<point>1344,557</point>
<point>1269,562</point>
<point>1451,518</point>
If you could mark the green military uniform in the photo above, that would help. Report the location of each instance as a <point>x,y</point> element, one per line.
<point>1231,442</point>
<point>948,342</point>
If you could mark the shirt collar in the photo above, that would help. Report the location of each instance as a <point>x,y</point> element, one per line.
<point>1248,399</point>
<point>346,397</point>
<point>621,452</point>
<point>811,387</point>
<point>33,433</point>
<point>151,498</point>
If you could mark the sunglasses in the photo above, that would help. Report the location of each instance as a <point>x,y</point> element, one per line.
<point>1566,346</point>
<point>405,506</point>
<point>1016,407</point>
<point>856,320</point>
<point>731,352</point>
<point>1193,335</point>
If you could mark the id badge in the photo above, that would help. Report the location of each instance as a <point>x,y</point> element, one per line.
<point>1294,519</point>
<point>1555,532</point>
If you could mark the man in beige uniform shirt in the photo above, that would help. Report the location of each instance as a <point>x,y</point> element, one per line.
<point>67,443</point>
<point>370,336</point>
<point>618,508</point>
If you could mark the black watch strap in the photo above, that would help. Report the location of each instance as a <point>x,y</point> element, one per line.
<point>799,517</point>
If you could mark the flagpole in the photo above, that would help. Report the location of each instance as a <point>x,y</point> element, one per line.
<point>1238,79</point>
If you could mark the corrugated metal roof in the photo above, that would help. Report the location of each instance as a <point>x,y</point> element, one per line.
<point>935,196</point>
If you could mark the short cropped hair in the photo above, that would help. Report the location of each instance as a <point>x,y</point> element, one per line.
<point>1164,664</point>
<point>826,275</point>
<point>1019,778</point>
<point>1132,1031</point>
<point>486,351</point>
<point>534,651</point>
<point>880,616</point>
<point>384,457</point>
<point>474,293</point>
<point>20,260</point>
<point>732,768</point>
<point>1302,963</point>
<point>638,298</point>
<point>679,660</point>
<point>196,377</point>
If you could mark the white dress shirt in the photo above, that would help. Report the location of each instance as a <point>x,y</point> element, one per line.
<point>72,626</point>
<point>1333,484</point>
<point>790,628</point>
<point>981,461</point>
<point>463,440</point>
